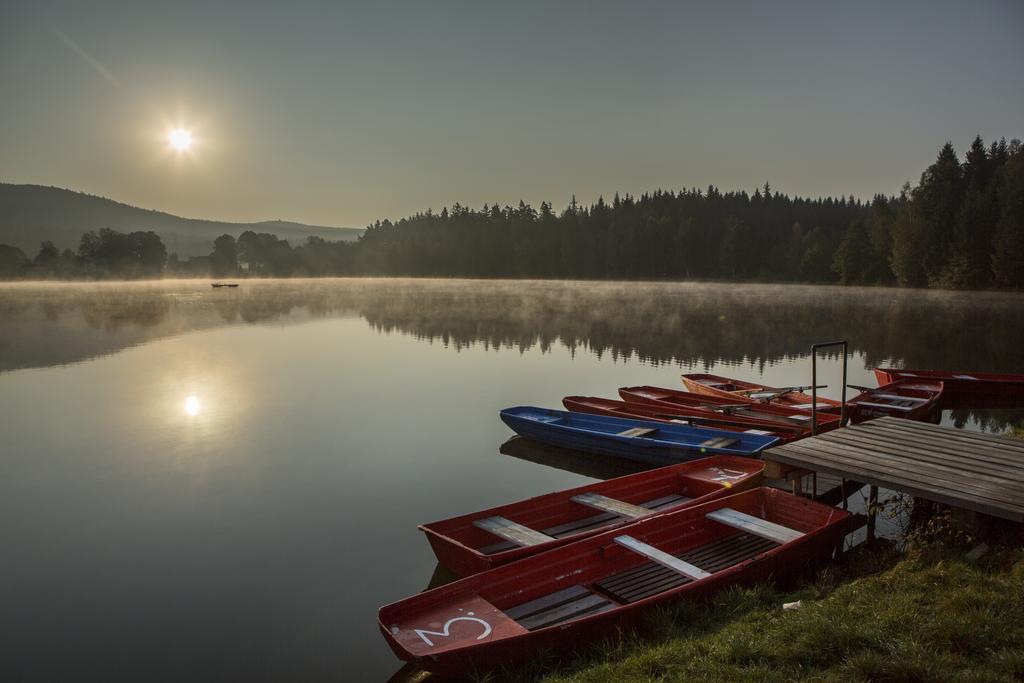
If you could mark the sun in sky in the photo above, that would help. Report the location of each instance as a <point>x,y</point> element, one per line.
<point>180,139</point>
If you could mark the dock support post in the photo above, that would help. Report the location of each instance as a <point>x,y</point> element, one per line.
<point>842,491</point>
<point>872,512</point>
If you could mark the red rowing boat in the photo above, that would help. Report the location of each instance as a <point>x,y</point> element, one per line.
<point>644,411</point>
<point>763,415</point>
<point>961,385</point>
<point>478,541</point>
<point>582,591</point>
<point>909,399</point>
<point>726,387</point>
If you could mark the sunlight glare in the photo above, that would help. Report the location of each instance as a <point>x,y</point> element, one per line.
<point>192,405</point>
<point>180,139</point>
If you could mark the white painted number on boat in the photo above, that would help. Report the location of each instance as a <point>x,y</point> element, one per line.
<point>445,630</point>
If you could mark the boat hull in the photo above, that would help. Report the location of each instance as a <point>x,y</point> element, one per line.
<point>907,399</point>
<point>465,627</point>
<point>758,415</point>
<point>726,387</point>
<point>641,411</point>
<point>549,426</point>
<point>466,549</point>
<point>964,389</point>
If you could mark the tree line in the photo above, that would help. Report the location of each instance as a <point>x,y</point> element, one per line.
<point>962,226</point>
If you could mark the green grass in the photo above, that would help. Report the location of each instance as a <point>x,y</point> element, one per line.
<point>929,615</point>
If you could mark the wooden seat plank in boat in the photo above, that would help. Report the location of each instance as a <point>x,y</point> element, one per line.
<point>548,610</point>
<point>893,406</point>
<point>754,525</point>
<point>661,557</point>
<point>511,531</point>
<point>897,397</point>
<point>638,431</point>
<point>587,523</point>
<point>606,504</point>
<point>651,578</point>
<point>720,442</point>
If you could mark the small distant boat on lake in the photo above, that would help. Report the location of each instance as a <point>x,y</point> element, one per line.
<point>655,443</point>
<point>566,597</point>
<point>726,387</point>
<point>216,285</point>
<point>489,538</point>
<point>960,386</point>
<point>909,399</point>
<point>763,415</point>
<point>643,411</point>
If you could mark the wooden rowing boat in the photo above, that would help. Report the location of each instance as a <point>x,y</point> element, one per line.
<point>961,387</point>
<point>655,443</point>
<point>571,595</point>
<point>489,538</point>
<point>643,411</point>
<point>726,387</point>
<point>761,415</point>
<point>909,399</point>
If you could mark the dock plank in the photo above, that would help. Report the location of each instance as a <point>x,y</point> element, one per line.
<point>964,469</point>
<point>931,459</point>
<point>921,474</point>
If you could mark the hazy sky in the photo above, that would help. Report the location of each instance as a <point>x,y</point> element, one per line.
<point>336,113</point>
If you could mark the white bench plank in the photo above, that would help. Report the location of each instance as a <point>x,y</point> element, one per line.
<point>897,397</point>
<point>511,531</point>
<point>718,442</point>
<point>754,525</point>
<point>606,504</point>
<point>662,558</point>
<point>884,405</point>
<point>638,431</point>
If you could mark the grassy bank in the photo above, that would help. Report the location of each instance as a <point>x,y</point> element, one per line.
<point>930,615</point>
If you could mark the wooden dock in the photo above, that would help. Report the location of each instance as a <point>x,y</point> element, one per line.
<point>963,469</point>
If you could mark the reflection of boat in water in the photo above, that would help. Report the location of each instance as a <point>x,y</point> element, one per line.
<point>593,465</point>
<point>216,285</point>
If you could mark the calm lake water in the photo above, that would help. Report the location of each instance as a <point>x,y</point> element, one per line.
<point>200,483</point>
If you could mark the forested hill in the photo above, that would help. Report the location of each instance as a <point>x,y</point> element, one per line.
<point>31,214</point>
<point>663,234</point>
<point>962,226</point>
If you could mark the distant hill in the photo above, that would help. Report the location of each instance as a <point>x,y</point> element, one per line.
<point>30,214</point>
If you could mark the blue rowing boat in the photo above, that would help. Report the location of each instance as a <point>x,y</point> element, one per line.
<point>655,443</point>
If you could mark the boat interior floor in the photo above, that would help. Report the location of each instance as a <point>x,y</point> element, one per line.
<point>650,578</point>
<point>589,523</point>
<point>636,583</point>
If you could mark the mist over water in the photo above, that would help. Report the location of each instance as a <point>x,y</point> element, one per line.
<point>226,483</point>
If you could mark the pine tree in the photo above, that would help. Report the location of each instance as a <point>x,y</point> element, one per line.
<point>1008,241</point>
<point>853,258</point>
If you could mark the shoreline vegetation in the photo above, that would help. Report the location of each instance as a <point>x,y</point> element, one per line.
<point>961,227</point>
